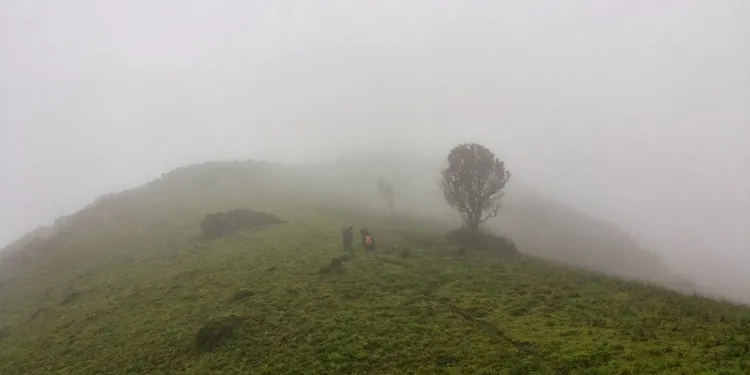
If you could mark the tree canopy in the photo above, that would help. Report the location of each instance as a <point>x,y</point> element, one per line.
<point>473,183</point>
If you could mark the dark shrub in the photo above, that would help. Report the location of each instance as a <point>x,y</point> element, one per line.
<point>446,360</point>
<point>217,331</point>
<point>336,265</point>
<point>405,253</point>
<point>465,238</point>
<point>242,294</point>
<point>215,225</point>
<point>70,298</point>
<point>223,223</point>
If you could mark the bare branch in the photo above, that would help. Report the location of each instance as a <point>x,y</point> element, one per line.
<point>491,213</point>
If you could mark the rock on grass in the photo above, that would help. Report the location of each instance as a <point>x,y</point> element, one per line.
<point>242,294</point>
<point>219,330</point>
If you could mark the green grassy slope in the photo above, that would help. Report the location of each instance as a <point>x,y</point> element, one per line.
<point>125,285</point>
<point>540,225</point>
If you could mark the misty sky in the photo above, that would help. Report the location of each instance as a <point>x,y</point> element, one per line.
<point>637,111</point>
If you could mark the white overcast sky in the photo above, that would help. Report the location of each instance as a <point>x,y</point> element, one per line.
<point>638,111</point>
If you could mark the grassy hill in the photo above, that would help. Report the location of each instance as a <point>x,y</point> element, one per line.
<point>540,225</point>
<point>128,285</point>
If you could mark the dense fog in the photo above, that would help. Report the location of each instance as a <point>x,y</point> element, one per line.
<point>634,112</point>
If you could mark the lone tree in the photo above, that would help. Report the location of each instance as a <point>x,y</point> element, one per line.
<point>473,183</point>
<point>387,192</point>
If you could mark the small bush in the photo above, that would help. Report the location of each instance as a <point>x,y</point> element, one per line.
<point>223,223</point>
<point>465,238</point>
<point>336,265</point>
<point>242,294</point>
<point>4,332</point>
<point>215,225</point>
<point>70,298</point>
<point>445,360</point>
<point>217,331</point>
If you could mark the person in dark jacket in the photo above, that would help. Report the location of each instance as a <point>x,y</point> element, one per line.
<point>347,237</point>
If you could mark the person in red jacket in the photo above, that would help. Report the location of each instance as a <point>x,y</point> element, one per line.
<point>368,242</point>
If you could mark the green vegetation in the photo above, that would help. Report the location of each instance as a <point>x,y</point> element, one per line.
<point>539,225</point>
<point>129,285</point>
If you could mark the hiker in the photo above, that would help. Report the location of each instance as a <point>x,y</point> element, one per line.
<point>363,233</point>
<point>347,237</point>
<point>368,242</point>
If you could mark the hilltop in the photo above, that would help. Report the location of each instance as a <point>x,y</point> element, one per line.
<point>539,224</point>
<point>129,285</point>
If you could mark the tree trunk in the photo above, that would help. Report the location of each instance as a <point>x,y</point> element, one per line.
<point>472,222</point>
<point>474,227</point>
